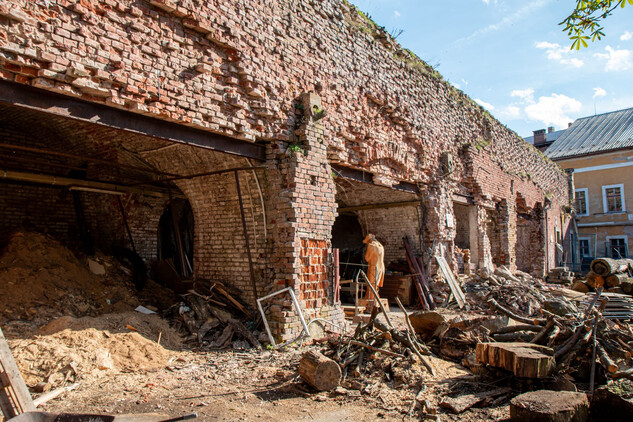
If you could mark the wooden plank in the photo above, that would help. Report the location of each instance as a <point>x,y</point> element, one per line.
<point>15,399</point>
<point>452,283</point>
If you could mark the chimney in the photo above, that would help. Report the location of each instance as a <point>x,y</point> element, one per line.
<point>550,129</point>
<point>539,137</point>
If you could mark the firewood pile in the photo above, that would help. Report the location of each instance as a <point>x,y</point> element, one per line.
<point>585,345</point>
<point>207,317</point>
<point>520,291</point>
<point>614,275</point>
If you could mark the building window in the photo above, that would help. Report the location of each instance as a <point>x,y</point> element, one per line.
<point>613,198</point>
<point>582,207</point>
<point>617,247</point>
<point>584,247</point>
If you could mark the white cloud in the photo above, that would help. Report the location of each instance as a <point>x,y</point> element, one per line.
<point>558,53</point>
<point>510,112</point>
<point>617,60</point>
<point>484,104</point>
<point>599,92</point>
<point>396,14</point>
<point>527,95</point>
<point>626,36</point>
<point>465,82</point>
<point>553,110</point>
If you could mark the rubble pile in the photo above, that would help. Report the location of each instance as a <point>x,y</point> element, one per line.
<point>41,279</point>
<point>206,318</point>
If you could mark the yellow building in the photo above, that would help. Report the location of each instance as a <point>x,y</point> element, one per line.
<point>599,149</point>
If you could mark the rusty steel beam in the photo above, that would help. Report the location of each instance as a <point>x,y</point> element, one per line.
<point>99,114</point>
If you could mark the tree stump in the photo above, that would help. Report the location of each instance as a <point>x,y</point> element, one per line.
<point>550,406</point>
<point>525,360</point>
<point>319,371</point>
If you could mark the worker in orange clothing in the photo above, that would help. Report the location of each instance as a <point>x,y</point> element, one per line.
<point>375,257</point>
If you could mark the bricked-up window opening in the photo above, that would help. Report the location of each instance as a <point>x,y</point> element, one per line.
<point>167,245</point>
<point>617,247</point>
<point>613,197</point>
<point>581,202</point>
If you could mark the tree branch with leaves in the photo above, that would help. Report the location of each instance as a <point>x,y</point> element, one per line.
<point>587,18</point>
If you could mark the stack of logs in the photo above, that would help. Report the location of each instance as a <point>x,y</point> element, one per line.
<point>614,275</point>
<point>542,347</point>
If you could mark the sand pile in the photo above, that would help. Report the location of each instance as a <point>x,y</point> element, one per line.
<point>149,326</point>
<point>84,355</point>
<point>41,279</point>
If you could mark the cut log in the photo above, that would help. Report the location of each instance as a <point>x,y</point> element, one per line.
<point>524,360</point>
<point>579,286</point>
<point>606,360</point>
<point>320,372</point>
<point>550,406</point>
<point>612,402</point>
<point>594,280</point>
<point>614,280</point>
<point>605,266</point>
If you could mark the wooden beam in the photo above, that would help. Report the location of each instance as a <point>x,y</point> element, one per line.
<point>379,206</point>
<point>85,185</point>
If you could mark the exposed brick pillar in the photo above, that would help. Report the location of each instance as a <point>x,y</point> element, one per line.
<point>302,207</point>
<point>439,224</point>
<point>508,233</point>
<point>484,258</point>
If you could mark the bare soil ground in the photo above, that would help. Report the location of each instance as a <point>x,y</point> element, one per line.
<point>142,377</point>
<point>66,325</point>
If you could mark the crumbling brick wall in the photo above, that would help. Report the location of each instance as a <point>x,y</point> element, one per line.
<point>238,67</point>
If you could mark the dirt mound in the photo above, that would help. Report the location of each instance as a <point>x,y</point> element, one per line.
<point>41,279</point>
<point>148,326</point>
<point>84,355</point>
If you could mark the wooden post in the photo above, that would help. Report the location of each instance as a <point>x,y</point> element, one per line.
<point>14,396</point>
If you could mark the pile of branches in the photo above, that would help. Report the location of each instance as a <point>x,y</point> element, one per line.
<point>520,291</point>
<point>207,317</point>
<point>579,341</point>
<point>373,343</point>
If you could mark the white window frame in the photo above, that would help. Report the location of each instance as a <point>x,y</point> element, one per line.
<point>588,239</point>
<point>586,191</point>
<point>605,205</point>
<point>626,243</point>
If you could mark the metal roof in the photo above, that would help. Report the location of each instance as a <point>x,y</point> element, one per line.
<point>594,134</point>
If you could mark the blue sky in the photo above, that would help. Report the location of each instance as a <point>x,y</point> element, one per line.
<point>512,57</point>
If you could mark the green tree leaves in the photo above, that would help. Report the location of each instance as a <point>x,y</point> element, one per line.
<point>587,18</point>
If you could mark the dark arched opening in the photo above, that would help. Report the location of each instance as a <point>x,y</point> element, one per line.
<point>177,221</point>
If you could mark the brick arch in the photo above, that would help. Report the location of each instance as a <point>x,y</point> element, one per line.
<point>219,243</point>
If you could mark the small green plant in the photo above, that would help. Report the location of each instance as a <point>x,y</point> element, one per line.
<point>296,148</point>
